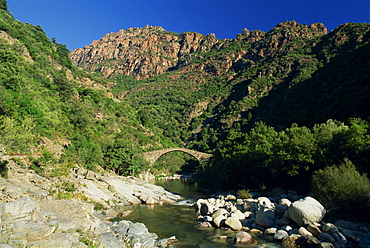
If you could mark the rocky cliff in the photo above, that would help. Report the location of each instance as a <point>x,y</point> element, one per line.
<point>150,51</point>
<point>141,52</point>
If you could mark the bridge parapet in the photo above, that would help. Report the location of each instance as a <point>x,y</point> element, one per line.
<point>152,156</point>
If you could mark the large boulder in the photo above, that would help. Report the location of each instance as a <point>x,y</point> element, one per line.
<point>305,211</point>
<point>233,223</point>
<point>20,209</point>
<point>219,221</point>
<point>265,217</point>
<point>109,240</point>
<point>238,215</point>
<point>220,211</point>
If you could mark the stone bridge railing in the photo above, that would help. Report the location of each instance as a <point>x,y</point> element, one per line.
<point>152,156</point>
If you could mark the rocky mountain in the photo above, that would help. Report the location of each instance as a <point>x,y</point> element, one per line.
<point>223,84</point>
<point>150,51</point>
<point>141,52</point>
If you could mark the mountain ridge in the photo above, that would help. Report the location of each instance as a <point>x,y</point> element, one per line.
<point>150,51</point>
<point>233,76</point>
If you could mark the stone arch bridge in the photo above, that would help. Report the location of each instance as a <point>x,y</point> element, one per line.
<point>152,156</point>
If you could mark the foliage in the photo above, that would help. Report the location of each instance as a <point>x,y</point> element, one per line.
<point>344,188</point>
<point>4,169</point>
<point>3,5</point>
<point>18,135</point>
<point>39,164</point>
<point>244,193</point>
<point>123,157</point>
<point>289,157</point>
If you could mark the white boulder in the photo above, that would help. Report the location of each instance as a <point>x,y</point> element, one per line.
<point>305,211</point>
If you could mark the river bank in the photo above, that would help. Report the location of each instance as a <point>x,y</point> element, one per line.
<point>290,219</point>
<point>89,209</point>
<point>76,211</point>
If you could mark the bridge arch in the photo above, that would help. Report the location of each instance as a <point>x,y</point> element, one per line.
<point>152,156</point>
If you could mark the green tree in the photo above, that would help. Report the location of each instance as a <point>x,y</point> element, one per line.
<point>122,157</point>
<point>3,5</point>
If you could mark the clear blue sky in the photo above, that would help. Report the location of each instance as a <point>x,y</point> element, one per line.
<point>77,23</point>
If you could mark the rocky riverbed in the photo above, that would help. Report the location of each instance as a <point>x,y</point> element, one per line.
<point>75,211</point>
<point>286,217</point>
<point>80,211</point>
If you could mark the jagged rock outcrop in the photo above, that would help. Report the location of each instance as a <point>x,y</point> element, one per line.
<point>150,51</point>
<point>140,52</point>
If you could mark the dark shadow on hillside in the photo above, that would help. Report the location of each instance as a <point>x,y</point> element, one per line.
<point>339,90</point>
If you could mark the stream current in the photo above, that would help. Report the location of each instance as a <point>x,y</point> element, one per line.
<point>180,220</point>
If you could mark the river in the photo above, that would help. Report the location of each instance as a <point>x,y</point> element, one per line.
<point>180,220</point>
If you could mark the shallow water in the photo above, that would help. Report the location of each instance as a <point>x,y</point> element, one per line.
<point>180,220</point>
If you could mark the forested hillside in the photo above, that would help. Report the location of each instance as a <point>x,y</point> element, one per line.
<point>45,99</point>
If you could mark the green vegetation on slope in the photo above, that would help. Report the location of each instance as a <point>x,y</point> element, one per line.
<point>43,95</point>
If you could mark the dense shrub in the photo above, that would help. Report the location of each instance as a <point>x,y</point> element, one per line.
<point>343,187</point>
<point>3,169</point>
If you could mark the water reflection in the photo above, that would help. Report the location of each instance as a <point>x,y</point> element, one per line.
<point>189,189</point>
<point>180,220</point>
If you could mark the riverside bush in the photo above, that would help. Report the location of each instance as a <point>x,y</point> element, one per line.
<point>343,187</point>
<point>244,193</point>
<point>4,169</point>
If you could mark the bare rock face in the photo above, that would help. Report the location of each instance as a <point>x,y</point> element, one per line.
<point>151,51</point>
<point>141,52</point>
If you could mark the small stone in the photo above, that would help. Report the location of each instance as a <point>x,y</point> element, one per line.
<point>270,231</point>
<point>172,240</point>
<point>280,209</point>
<point>248,214</point>
<point>204,224</point>
<point>264,201</point>
<point>206,208</point>
<point>326,245</point>
<point>255,231</point>
<point>291,241</point>
<point>243,238</point>
<point>330,228</point>
<point>280,234</point>
<point>314,230</point>
<point>285,202</point>
<point>303,231</point>
<point>150,201</point>
<point>284,221</point>
<point>111,213</point>
<point>326,238</point>
<point>264,222</point>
